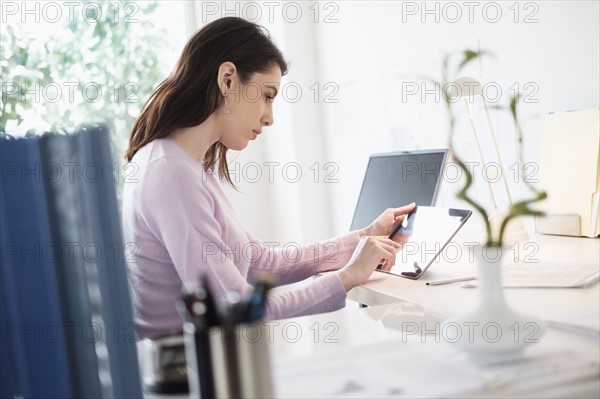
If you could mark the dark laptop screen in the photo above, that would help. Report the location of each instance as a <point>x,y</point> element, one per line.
<point>397,179</point>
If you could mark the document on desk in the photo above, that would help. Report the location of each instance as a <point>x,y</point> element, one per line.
<point>547,275</point>
<point>381,370</point>
<point>529,373</point>
<point>415,370</point>
<point>582,321</point>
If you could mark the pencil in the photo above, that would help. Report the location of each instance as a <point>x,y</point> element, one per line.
<point>451,280</point>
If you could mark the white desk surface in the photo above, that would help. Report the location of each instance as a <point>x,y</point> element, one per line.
<point>392,301</point>
<point>451,299</point>
<point>353,327</point>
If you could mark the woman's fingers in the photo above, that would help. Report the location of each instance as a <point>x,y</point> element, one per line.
<point>388,248</point>
<point>403,210</point>
<point>375,250</point>
<point>400,214</point>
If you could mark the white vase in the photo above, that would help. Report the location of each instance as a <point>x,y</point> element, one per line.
<point>491,329</point>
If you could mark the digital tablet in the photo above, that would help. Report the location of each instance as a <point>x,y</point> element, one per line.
<point>424,234</point>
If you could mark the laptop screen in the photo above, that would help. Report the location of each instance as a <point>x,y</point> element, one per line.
<point>396,179</point>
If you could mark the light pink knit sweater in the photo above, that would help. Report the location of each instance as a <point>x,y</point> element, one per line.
<point>181,224</point>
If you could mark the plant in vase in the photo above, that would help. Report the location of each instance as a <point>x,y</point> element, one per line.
<point>491,327</point>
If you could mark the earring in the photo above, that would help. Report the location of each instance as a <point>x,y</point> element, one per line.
<point>226,106</point>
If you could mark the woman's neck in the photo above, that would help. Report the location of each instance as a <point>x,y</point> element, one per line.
<point>196,140</point>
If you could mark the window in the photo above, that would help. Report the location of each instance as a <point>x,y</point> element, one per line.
<point>70,63</point>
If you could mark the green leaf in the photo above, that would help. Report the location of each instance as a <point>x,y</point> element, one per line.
<point>514,101</point>
<point>468,56</point>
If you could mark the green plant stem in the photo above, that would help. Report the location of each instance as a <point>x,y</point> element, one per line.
<point>521,208</point>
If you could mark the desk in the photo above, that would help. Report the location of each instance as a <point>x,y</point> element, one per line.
<point>391,298</point>
<point>393,302</point>
<point>451,298</point>
<point>371,327</point>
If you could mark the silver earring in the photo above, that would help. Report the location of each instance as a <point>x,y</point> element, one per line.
<point>226,106</point>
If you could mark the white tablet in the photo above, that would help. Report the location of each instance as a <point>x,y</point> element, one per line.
<point>424,234</point>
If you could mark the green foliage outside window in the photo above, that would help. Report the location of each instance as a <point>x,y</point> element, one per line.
<point>97,67</point>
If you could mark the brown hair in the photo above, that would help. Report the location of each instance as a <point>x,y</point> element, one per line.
<point>190,94</point>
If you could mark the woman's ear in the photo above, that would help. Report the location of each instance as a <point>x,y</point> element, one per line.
<point>226,74</point>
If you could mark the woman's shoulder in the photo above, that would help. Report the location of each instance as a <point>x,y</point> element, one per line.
<point>164,155</point>
<point>160,165</point>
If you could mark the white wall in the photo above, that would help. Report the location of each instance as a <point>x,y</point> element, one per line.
<point>368,53</point>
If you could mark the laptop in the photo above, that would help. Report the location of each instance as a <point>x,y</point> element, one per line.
<point>398,178</point>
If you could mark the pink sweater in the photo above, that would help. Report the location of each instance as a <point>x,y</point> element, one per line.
<point>178,224</point>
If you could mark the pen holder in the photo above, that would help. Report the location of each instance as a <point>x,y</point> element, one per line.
<point>226,353</point>
<point>241,362</point>
<point>198,355</point>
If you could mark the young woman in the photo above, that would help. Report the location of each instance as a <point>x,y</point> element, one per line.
<point>219,97</point>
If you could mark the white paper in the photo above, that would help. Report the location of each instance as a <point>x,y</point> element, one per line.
<point>547,275</point>
<point>582,321</point>
<point>393,369</point>
<point>531,373</point>
<point>412,369</point>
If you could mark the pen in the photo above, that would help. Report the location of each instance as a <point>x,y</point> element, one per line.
<point>451,280</point>
<point>255,306</point>
<point>233,317</point>
<point>195,307</point>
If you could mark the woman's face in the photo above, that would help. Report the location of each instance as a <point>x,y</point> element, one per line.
<point>250,108</point>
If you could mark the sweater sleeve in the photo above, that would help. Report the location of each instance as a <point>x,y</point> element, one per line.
<point>294,262</point>
<point>180,213</point>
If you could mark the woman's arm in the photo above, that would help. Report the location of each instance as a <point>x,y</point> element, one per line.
<point>181,215</point>
<point>294,262</point>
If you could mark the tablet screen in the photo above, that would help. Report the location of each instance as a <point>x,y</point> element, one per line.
<point>423,235</point>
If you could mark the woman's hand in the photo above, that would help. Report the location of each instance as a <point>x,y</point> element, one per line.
<point>387,221</point>
<point>370,252</point>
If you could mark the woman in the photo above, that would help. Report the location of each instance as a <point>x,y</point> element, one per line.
<point>219,97</point>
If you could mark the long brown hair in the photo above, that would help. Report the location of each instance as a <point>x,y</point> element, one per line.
<point>190,94</point>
